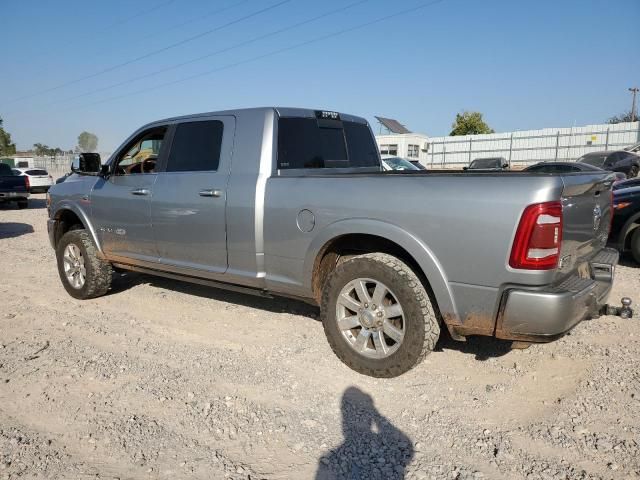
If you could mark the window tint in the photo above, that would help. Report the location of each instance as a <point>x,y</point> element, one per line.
<point>311,143</point>
<point>5,170</point>
<point>196,147</point>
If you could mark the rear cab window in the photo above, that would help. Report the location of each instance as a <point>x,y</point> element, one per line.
<point>325,142</point>
<point>196,147</point>
<point>37,173</point>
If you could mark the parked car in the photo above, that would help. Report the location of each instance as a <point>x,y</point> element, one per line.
<point>631,182</point>
<point>635,148</point>
<point>39,179</point>
<point>488,164</point>
<point>566,167</point>
<point>294,202</point>
<point>398,163</point>
<point>625,229</point>
<point>615,161</point>
<point>13,188</point>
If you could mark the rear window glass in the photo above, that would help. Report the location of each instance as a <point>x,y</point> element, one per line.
<point>37,172</point>
<point>196,147</point>
<point>596,160</point>
<point>312,143</point>
<point>5,170</point>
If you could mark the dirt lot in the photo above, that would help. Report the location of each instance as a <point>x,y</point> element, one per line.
<point>165,380</point>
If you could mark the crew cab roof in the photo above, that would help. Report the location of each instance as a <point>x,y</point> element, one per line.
<point>281,111</point>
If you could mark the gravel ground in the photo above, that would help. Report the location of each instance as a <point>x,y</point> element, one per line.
<point>160,379</point>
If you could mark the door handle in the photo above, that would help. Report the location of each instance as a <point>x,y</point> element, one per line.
<point>140,191</point>
<point>210,193</point>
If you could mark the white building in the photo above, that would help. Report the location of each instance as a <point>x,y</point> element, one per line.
<point>400,142</point>
<point>412,146</point>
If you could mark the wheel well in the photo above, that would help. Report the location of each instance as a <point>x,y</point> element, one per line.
<point>346,246</point>
<point>627,238</point>
<point>67,220</point>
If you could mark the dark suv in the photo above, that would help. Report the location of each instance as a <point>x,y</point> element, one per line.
<point>615,161</point>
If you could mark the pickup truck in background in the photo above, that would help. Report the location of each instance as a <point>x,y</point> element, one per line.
<point>294,202</point>
<point>13,188</point>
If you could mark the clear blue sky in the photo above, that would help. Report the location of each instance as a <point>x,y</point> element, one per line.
<point>523,64</point>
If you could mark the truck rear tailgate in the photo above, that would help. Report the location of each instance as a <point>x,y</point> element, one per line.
<point>587,213</point>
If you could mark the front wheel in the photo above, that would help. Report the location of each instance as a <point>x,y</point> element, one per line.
<point>377,315</point>
<point>83,273</point>
<point>633,172</point>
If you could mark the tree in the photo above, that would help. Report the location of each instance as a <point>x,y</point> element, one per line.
<point>622,118</point>
<point>87,142</point>
<point>469,123</point>
<point>6,146</point>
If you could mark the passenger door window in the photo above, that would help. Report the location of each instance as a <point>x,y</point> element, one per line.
<point>196,147</point>
<point>141,155</point>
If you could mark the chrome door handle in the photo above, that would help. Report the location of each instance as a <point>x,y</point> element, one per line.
<point>210,193</point>
<point>140,191</point>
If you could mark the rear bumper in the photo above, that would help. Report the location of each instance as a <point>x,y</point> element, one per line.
<point>10,196</point>
<point>542,315</point>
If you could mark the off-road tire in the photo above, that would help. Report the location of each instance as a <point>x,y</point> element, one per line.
<point>98,272</point>
<point>23,204</point>
<point>635,245</point>
<point>422,325</point>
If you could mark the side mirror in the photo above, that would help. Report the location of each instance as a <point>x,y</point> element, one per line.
<point>465,168</point>
<point>505,165</point>
<point>86,164</point>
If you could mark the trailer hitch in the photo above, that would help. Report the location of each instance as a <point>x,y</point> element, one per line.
<point>624,311</point>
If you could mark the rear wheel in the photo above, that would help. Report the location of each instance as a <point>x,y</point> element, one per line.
<point>635,244</point>
<point>377,315</point>
<point>84,275</point>
<point>22,204</point>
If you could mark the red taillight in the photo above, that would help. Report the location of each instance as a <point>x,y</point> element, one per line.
<point>538,238</point>
<point>26,182</point>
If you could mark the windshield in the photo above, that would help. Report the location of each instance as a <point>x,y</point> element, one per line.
<point>397,163</point>
<point>595,159</point>
<point>486,163</point>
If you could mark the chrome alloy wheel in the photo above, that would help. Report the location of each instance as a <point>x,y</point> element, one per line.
<point>74,268</point>
<point>370,318</point>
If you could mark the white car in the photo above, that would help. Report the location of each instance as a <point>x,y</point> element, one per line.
<point>39,179</point>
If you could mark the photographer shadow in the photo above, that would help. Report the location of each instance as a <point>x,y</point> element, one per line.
<point>373,447</point>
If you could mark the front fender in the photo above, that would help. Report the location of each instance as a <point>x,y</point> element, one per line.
<point>420,252</point>
<point>80,209</point>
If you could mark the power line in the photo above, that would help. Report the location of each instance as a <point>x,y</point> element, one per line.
<point>195,19</point>
<point>268,54</point>
<point>116,23</point>
<point>155,52</point>
<point>217,52</point>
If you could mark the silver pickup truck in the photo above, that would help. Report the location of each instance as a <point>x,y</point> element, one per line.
<point>294,202</point>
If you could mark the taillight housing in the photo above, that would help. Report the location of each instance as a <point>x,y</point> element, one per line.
<point>27,183</point>
<point>536,245</point>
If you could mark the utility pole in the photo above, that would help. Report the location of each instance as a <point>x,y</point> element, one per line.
<point>633,91</point>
